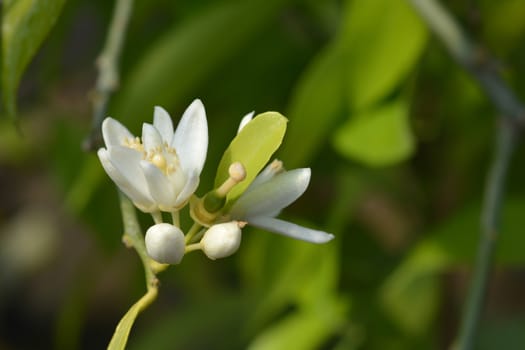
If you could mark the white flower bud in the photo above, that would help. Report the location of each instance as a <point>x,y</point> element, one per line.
<point>222,240</point>
<point>165,243</point>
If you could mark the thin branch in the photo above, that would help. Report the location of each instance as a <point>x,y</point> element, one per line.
<point>133,238</point>
<point>490,227</point>
<point>473,58</point>
<point>479,64</point>
<point>107,64</point>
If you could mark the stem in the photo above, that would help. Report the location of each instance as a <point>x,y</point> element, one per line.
<point>192,247</point>
<point>175,218</point>
<point>192,232</point>
<point>157,217</point>
<point>107,64</point>
<point>473,58</point>
<point>490,218</point>
<point>134,239</point>
<point>480,65</point>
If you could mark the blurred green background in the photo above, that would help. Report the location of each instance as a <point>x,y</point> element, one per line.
<point>398,136</point>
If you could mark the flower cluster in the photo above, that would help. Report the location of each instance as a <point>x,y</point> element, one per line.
<point>160,171</point>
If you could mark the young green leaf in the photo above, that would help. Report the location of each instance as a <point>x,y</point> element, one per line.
<point>25,25</point>
<point>383,40</point>
<point>316,105</point>
<point>377,137</point>
<point>253,147</point>
<point>120,337</point>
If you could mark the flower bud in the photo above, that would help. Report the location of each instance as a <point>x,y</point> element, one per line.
<point>165,243</point>
<point>222,240</point>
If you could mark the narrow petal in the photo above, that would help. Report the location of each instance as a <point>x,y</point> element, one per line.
<point>162,122</point>
<point>189,188</point>
<point>272,169</point>
<point>150,137</point>
<point>159,186</point>
<point>123,182</point>
<point>114,133</point>
<point>127,161</point>
<point>291,230</point>
<point>273,195</point>
<point>245,120</point>
<point>191,138</point>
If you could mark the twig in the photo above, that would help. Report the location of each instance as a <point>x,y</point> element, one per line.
<point>473,58</point>
<point>133,238</point>
<point>479,64</point>
<point>107,64</point>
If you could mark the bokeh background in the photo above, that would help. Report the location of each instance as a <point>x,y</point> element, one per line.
<point>398,136</point>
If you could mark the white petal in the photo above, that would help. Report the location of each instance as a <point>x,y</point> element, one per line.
<point>114,133</point>
<point>150,137</point>
<point>272,169</point>
<point>271,196</point>
<point>189,188</point>
<point>291,230</point>
<point>191,138</point>
<point>162,122</point>
<point>159,187</point>
<point>245,120</point>
<point>125,183</point>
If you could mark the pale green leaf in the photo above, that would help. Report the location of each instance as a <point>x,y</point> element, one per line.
<point>315,107</point>
<point>120,337</point>
<point>377,137</point>
<point>25,25</point>
<point>384,39</point>
<point>253,147</point>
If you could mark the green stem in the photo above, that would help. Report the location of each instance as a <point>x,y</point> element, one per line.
<point>480,65</point>
<point>175,218</point>
<point>157,217</point>
<point>476,60</point>
<point>133,238</point>
<point>506,141</point>
<point>192,232</point>
<point>192,247</point>
<point>107,64</point>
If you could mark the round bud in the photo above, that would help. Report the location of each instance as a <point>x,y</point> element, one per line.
<point>165,243</point>
<point>237,171</point>
<point>222,240</point>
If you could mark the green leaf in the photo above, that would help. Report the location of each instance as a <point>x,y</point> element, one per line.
<point>120,337</point>
<point>414,284</point>
<point>384,38</point>
<point>25,26</point>
<point>315,107</point>
<point>377,137</point>
<point>188,54</point>
<point>253,147</point>
<point>304,329</point>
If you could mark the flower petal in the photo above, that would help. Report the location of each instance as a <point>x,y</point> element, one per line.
<point>291,230</point>
<point>270,197</point>
<point>245,120</point>
<point>272,169</point>
<point>162,122</point>
<point>133,189</point>
<point>114,133</point>
<point>189,188</point>
<point>191,138</point>
<point>150,137</point>
<point>159,186</point>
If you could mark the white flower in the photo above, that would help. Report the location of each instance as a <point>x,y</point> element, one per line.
<point>161,170</point>
<point>222,240</point>
<point>270,192</point>
<point>165,243</point>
